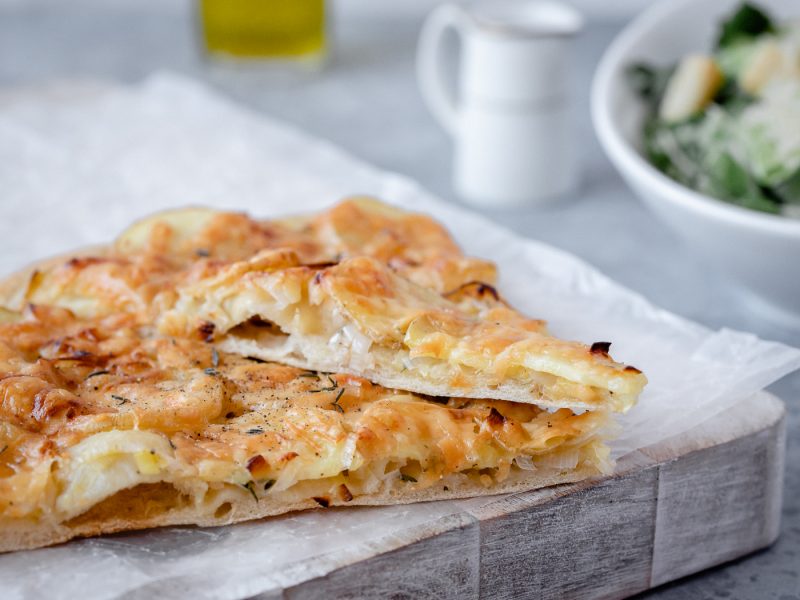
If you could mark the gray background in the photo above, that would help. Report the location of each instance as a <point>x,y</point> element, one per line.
<point>366,101</point>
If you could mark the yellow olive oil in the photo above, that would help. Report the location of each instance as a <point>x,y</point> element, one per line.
<point>263,28</point>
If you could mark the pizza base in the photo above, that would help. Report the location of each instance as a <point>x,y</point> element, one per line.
<point>160,505</point>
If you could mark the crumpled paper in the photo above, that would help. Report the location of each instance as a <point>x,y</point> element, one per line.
<point>79,166</point>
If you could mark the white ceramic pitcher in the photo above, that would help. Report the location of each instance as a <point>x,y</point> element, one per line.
<point>511,119</point>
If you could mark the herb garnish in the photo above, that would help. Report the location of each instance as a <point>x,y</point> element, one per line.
<point>333,386</point>
<point>255,431</point>
<point>250,486</point>
<point>120,399</point>
<point>96,373</point>
<point>268,484</point>
<point>336,404</point>
<point>211,371</point>
<point>408,478</point>
<point>310,374</point>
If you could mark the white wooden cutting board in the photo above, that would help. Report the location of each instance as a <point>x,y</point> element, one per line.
<point>676,508</point>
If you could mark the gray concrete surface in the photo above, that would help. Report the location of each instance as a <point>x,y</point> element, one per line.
<point>366,101</point>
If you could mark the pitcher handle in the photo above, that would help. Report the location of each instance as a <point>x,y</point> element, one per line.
<point>431,63</point>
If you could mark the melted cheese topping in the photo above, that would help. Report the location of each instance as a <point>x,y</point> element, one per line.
<point>412,244</point>
<point>89,407</point>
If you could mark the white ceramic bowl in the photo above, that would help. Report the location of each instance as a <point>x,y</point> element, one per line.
<point>758,250</point>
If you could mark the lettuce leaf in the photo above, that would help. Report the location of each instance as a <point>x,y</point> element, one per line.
<point>746,23</point>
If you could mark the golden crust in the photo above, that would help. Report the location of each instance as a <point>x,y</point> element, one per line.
<point>149,506</point>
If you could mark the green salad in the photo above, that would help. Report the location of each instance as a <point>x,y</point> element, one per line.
<point>727,124</point>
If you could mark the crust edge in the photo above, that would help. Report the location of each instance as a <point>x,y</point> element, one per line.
<point>22,535</point>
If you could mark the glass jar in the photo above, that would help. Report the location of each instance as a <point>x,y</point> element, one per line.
<point>264,29</point>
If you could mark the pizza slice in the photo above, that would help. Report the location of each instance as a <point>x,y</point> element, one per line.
<point>412,244</point>
<point>138,272</point>
<point>359,316</point>
<point>105,427</point>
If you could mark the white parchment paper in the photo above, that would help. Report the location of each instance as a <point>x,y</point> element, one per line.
<point>76,168</point>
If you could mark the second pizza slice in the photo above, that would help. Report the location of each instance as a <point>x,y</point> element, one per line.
<point>359,316</point>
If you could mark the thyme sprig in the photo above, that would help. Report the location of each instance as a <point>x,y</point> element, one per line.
<point>333,385</point>
<point>96,373</point>
<point>336,404</point>
<point>250,486</point>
